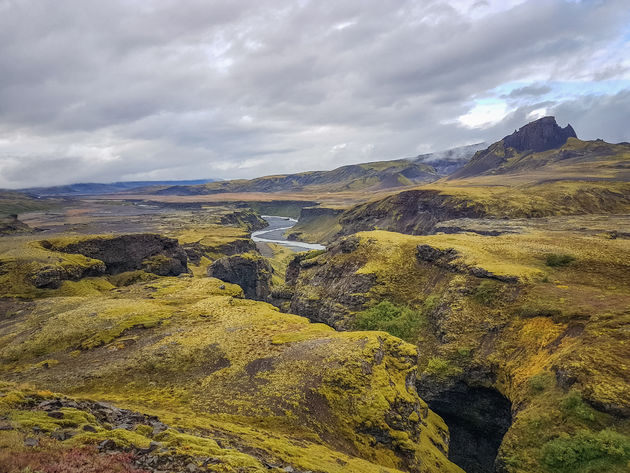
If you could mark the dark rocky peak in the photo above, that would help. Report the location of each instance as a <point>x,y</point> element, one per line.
<point>539,135</point>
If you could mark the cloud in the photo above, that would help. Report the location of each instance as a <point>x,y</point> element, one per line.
<point>160,88</point>
<point>529,91</point>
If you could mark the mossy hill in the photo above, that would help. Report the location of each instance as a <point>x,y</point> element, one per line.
<point>357,177</point>
<point>478,322</point>
<point>194,376</point>
<point>518,334</point>
<point>12,202</point>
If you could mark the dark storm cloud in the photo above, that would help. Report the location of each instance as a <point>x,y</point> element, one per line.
<point>168,89</point>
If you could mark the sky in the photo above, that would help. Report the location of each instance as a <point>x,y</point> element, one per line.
<point>102,91</point>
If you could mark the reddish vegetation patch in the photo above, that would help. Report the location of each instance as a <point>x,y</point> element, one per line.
<point>75,460</point>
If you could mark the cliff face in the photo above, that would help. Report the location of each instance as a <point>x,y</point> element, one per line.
<point>316,224</point>
<point>250,271</point>
<point>539,135</point>
<point>326,287</point>
<point>577,177</point>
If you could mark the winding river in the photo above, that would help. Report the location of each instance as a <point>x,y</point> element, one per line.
<point>274,233</point>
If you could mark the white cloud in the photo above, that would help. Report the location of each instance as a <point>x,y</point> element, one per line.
<point>484,115</point>
<point>537,113</point>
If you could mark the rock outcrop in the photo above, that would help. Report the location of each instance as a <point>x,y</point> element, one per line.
<point>326,287</point>
<point>198,250</point>
<point>244,218</point>
<point>250,271</point>
<point>11,224</point>
<point>316,224</point>
<point>146,251</point>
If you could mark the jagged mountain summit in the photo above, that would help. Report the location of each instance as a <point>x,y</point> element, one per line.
<point>539,135</point>
<point>543,150</point>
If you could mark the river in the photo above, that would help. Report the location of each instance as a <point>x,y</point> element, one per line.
<point>274,233</point>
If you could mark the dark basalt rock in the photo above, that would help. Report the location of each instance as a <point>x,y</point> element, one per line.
<point>251,272</point>
<point>444,259</point>
<point>248,219</point>
<point>477,418</point>
<point>196,251</point>
<point>51,277</point>
<point>431,254</point>
<point>150,252</point>
<point>345,290</point>
<point>539,135</point>
<point>413,212</point>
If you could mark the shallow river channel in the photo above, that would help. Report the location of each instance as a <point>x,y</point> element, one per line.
<point>274,233</point>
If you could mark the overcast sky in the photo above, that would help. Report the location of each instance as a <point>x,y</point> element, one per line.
<point>185,89</point>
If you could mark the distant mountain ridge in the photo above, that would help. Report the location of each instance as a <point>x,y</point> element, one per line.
<point>377,175</point>
<point>94,188</point>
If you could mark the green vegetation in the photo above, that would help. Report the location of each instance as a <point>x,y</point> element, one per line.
<point>362,177</point>
<point>193,352</point>
<point>574,406</point>
<point>538,313</point>
<point>606,451</point>
<point>317,225</point>
<point>402,322</point>
<point>540,382</point>
<point>560,260</point>
<point>442,368</point>
<point>538,331</point>
<point>488,292</point>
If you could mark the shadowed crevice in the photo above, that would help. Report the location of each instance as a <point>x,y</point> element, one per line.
<point>477,419</point>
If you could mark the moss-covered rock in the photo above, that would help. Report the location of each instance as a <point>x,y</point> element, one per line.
<point>151,252</point>
<point>205,360</point>
<point>498,323</point>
